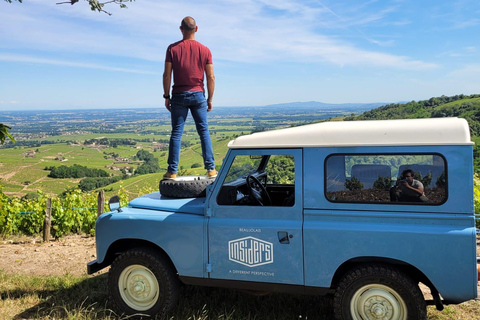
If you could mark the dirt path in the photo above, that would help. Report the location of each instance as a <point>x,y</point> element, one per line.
<point>30,256</point>
<point>9,175</point>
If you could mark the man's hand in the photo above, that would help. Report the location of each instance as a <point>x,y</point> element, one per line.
<point>209,105</point>
<point>168,105</point>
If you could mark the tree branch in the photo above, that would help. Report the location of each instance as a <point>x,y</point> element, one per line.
<point>95,5</point>
<point>71,2</point>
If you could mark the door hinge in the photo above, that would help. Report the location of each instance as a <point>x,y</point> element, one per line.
<point>208,212</point>
<point>208,267</point>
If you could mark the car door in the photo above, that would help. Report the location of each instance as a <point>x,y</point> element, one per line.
<point>251,242</point>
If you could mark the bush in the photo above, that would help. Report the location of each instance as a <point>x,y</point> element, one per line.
<point>196,165</point>
<point>75,171</point>
<point>382,183</point>
<point>476,197</point>
<point>75,212</point>
<point>353,184</point>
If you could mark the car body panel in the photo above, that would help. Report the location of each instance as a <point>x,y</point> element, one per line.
<point>311,242</point>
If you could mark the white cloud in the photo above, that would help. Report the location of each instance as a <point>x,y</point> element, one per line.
<point>468,72</point>
<point>237,31</point>
<point>30,59</point>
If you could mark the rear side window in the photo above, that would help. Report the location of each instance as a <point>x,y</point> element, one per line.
<point>386,178</point>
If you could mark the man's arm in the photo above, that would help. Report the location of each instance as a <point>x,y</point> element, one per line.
<point>167,81</point>
<point>417,188</point>
<point>210,85</point>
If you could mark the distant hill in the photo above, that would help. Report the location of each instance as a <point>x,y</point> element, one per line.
<point>462,106</point>
<point>357,107</point>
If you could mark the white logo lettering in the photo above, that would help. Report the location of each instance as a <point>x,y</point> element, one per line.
<point>250,251</point>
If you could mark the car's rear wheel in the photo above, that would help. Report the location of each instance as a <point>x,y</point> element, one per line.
<point>374,292</point>
<point>141,283</point>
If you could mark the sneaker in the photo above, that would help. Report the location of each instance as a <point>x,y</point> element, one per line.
<point>211,174</point>
<point>169,176</point>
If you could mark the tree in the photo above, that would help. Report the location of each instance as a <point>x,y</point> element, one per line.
<point>95,5</point>
<point>4,133</point>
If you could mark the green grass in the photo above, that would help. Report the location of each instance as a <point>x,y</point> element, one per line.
<point>460,102</point>
<point>20,174</point>
<point>68,297</point>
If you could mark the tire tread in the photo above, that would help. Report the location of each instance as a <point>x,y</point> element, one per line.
<point>160,266</point>
<point>390,276</point>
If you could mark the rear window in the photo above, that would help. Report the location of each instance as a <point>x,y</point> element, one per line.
<point>386,178</point>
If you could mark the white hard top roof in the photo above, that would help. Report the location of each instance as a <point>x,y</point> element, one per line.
<point>435,131</point>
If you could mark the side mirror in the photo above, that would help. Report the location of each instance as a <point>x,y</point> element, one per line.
<point>114,203</point>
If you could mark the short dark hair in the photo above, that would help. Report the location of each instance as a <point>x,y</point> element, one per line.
<point>188,24</point>
<point>404,173</point>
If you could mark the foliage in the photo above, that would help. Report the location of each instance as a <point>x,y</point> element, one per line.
<point>144,155</point>
<point>353,184</point>
<point>441,182</point>
<point>75,171</point>
<point>433,108</point>
<point>476,197</point>
<point>95,5</point>
<point>196,165</point>
<point>110,142</point>
<point>382,183</point>
<point>89,184</point>
<point>281,170</point>
<point>4,133</point>
<point>75,213</point>
<point>427,179</point>
<point>462,106</point>
<point>150,163</point>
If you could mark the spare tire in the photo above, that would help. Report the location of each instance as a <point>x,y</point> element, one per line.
<point>185,186</point>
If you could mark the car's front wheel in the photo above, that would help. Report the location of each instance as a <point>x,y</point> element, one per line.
<point>374,292</point>
<point>141,283</point>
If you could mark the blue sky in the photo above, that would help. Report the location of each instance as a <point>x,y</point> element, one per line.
<point>265,51</point>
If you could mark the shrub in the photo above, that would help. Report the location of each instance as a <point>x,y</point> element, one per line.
<point>353,184</point>
<point>382,183</point>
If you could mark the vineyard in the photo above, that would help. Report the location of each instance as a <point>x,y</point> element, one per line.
<point>74,213</point>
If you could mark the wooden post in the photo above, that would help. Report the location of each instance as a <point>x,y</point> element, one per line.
<point>101,203</point>
<point>47,223</point>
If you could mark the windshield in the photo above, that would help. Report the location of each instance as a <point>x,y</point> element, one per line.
<point>243,166</point>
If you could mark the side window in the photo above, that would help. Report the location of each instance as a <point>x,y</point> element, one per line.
<point>384,178</point>
<point>266,180</point>
<point>281,170</point>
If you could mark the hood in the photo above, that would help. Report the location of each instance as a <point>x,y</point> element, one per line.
<point>155,201</point>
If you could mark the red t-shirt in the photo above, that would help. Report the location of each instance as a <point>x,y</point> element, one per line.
<point>188,58</point>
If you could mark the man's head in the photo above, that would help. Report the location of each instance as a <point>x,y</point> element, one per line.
<point>188,26</point>
<point>408,175</point>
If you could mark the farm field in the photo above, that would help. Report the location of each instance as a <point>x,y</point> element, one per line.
<point>67,139</point>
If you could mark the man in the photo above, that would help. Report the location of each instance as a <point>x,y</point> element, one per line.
<point>409,189</point>
<point>189,60</point>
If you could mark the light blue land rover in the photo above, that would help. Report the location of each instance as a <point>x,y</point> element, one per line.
<point>316,209</point>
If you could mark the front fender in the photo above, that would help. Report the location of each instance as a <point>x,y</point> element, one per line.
<point>179,235</point>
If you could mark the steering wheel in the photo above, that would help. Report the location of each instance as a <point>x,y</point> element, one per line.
<point>261,197</point>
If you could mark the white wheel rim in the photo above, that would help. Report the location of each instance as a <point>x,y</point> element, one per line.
<point>377,302</point>
<point>138,287</point>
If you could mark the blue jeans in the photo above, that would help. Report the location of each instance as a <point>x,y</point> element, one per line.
<point>181,103</point>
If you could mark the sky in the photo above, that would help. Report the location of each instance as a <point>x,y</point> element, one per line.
<point>264,51</point>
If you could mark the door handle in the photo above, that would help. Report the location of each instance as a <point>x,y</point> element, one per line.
<point>283,237</point>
